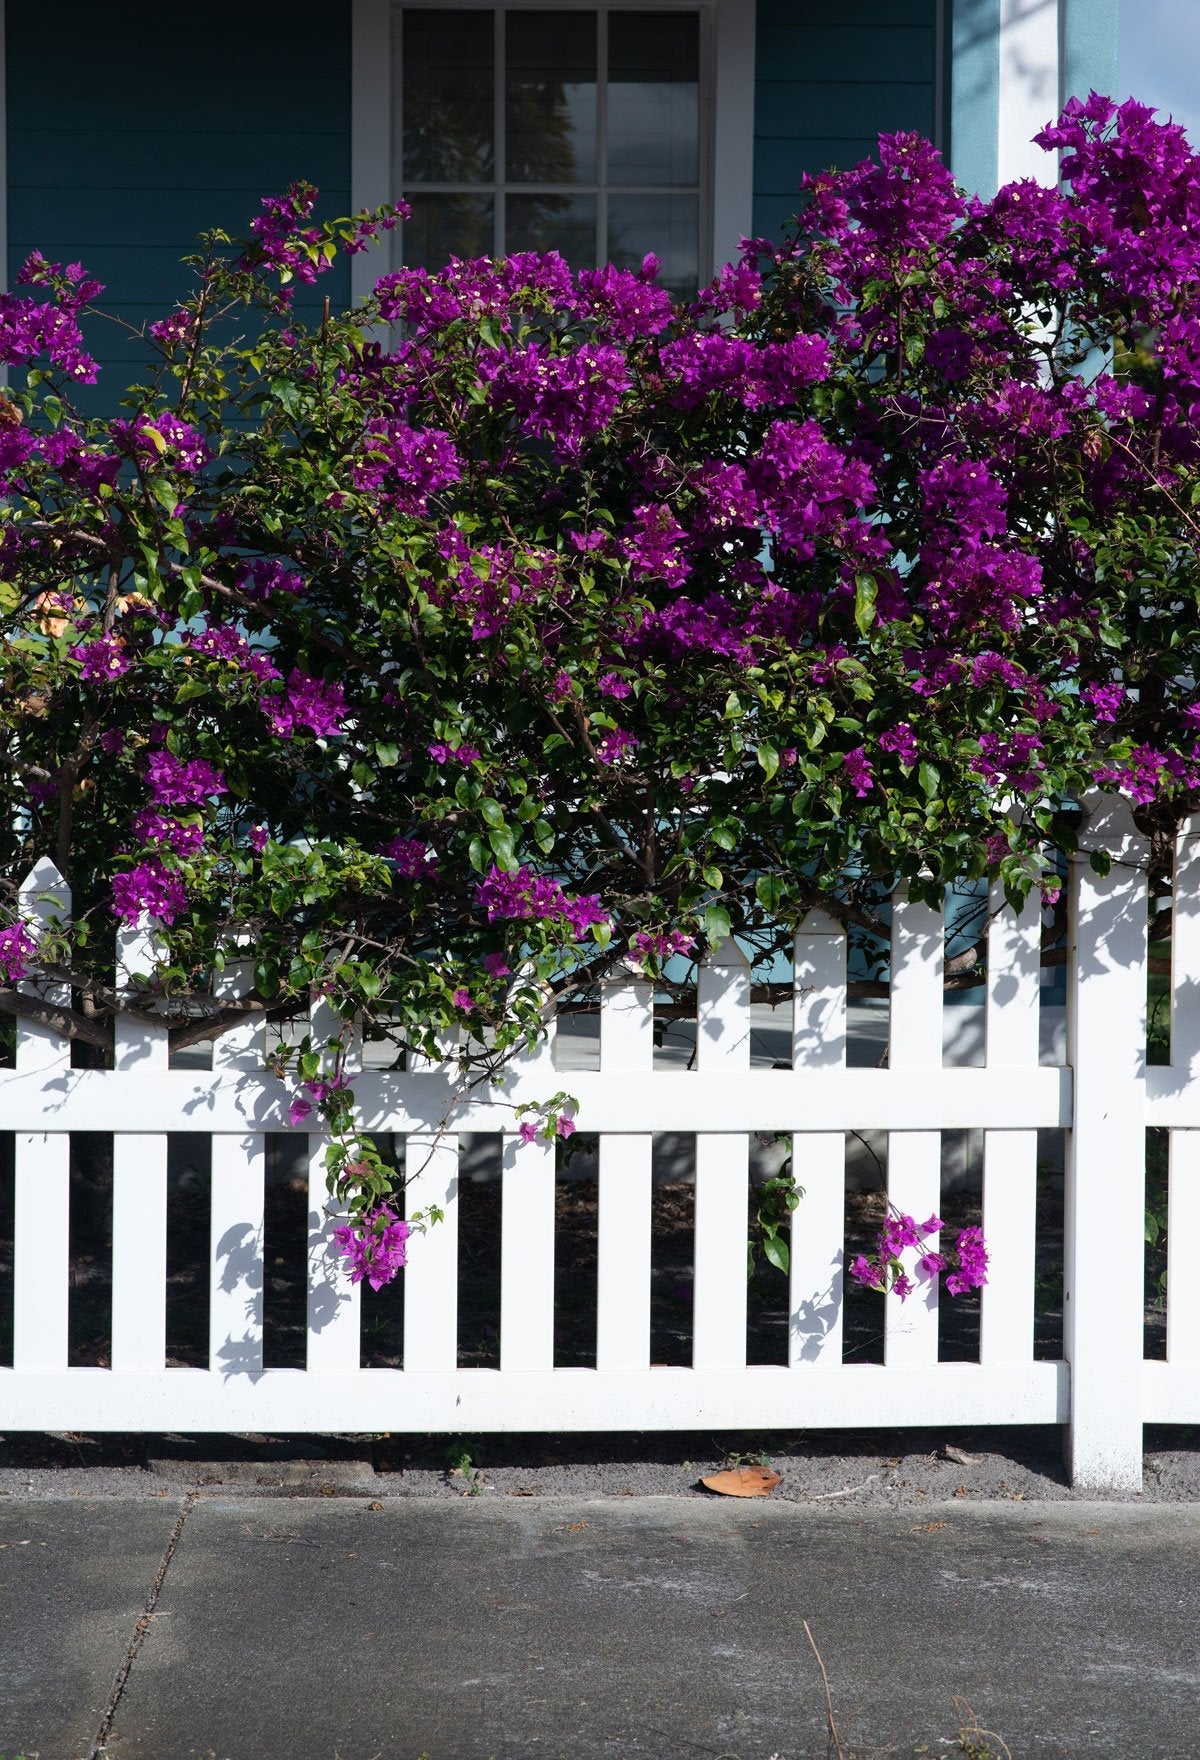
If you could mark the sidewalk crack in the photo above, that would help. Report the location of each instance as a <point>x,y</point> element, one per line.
<point>139,1631</point>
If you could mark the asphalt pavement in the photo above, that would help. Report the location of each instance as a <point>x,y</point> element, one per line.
<point>222,1623</point>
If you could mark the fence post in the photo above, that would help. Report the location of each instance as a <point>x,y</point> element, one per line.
<point>41,1215</point>
<point>139,1223</point>
<point>1105,1197</point>
<point>1183,1194</point>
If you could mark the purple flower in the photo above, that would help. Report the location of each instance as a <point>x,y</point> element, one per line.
<point>258,838</point>
<point>17,945</point>
<point>901,740</point>
<point>414,860</point>
<point>307,702</point>
<point>149,887</point>
<point>102,658</point>
<point>521,895</point>
<point>441,753</point>
<point>176,783</point>
<point>151,826</point>
<point>404,466</point>
<point>496,966</point>
<point>464,1001</point>
<point>615,744</point>
<point>299,1110</point>
<point>379,1251</point>
<point>527,1130</point>
<point>858,770</point>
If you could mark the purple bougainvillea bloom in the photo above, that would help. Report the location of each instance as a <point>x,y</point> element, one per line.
<point>413,859</point>
<point>16,949</point>
<point>858,770</point>
<point>174,782</point>
<point>299,1110</point>
<point>527,1130</point>
<point>379,1251</point>
<point>148,887</point>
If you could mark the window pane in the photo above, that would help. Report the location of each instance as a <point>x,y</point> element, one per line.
<point>553,223</point>
<point>550,97</point>
<point>667,225</point>
<point>445,226</point>
<point>448,73</point>
<point>653,97</point>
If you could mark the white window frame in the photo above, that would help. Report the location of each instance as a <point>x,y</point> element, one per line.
<point>727,129</point>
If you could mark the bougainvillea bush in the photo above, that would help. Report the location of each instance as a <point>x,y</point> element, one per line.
<point>521,621</point>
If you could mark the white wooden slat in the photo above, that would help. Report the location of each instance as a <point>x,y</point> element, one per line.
<point>431,1275</point>
<point>722,1169</point>
<point>914,1181</point>
<point>625,1182</point>
<point>334,1307</point>
<point>42,897</point>
<point>918,958</point>
<point>1183,1230</point>
<point>1013,998</point>
<point>139,1220</point>
<point>527,1227</point>
<point>1105,1183</point>
<point>1185,951</point>
<point>235,1316</point>
<point>1010,1231</point>
<point>41,1213</point>
<point>527,1254</point>
<point>236,1275</point>
<point>42,1256</point>
<point>818,1230</point>
<point>1013,1005</point>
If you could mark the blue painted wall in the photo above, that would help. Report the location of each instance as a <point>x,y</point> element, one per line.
<point>832,75</point>
<point>133,127</point>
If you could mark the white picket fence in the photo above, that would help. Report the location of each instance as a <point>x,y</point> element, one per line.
<point>1104,1098</point>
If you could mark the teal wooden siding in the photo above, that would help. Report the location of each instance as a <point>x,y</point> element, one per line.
<point>833,75</point>
<point>133,127</point>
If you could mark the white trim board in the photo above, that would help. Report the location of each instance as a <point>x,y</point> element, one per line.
<point>1031,37</point>
<point>731,23</point>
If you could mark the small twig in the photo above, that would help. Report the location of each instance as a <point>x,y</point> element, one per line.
<point>833,1728</point>
<point>847,1491</point>
<point>964,1711</point>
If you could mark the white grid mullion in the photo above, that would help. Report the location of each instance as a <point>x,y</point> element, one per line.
<point>602,136</point>
<point>499,144</point>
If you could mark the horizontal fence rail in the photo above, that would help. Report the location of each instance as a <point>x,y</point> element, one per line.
<point>1102,1100</point>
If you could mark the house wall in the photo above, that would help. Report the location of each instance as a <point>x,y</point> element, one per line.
<point>832,75</point>
<point>131,128</point>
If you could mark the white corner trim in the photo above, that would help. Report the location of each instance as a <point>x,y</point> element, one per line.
<point>370,127</point>
<point>733,127</point>
<point>1030,81</point>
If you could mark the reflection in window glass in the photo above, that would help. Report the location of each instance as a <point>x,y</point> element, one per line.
<point>550,97</point>
<point>653,98</point>
<point>448,96</point>
<point>553,223</point>
<point>666,225</point>
<point>443,226</point>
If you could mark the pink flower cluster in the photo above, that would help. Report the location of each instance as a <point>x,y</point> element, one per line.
<point>379,1251</point>
<point>16,949</point>
<point>965,1263</point>
<point>522,895</point>
<point>149,887</point>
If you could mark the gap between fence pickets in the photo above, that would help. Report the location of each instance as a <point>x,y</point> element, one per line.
<point>721,1101</point>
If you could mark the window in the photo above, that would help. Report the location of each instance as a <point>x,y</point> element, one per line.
<point>577,131</point>
<point>602,130</point>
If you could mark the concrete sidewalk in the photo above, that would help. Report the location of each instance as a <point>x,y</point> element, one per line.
<point>349,1628</point>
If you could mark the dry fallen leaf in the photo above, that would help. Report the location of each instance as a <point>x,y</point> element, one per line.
<point>928,1527</point>
<point>960,1456</point>
<point>571,1527</point>
<point>960,1491</point>
<point>744,1481</point>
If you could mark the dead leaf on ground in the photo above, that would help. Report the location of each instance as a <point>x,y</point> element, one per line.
<point>960,1456</point>
<point>928,1527</point>
<point>571,1527</point>
<point>960,1491</point>
<point>744,1481</point>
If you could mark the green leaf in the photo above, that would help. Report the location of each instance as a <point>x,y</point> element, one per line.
<point>866,591</point>
<point>501,841</point>
<point>492,812</point>
<point>716,924</point>
<point>930,779</point>
<point>771,890</point>
<point>777,1252</point>
<point>387,753</point>
<point>768,757</point>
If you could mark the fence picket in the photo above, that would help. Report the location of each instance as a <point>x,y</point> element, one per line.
<point>1010,1157</point>
<point>914,1164</point>
<point>1104,1270</point>
<point>1183,1189</point>
<point>139,1219</point>
<point>333,1326</point>
<point>818,1157</point>
<point>722,1169</point>
<point>623,1234</point>
<point>527,1232</point>
<point>235,1299</point>
<point>41,1198</point>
